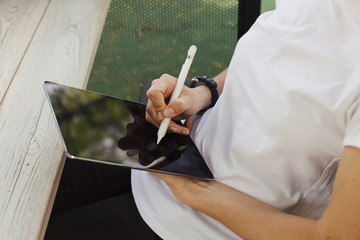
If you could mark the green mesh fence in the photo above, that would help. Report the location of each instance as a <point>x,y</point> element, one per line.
<point>142,39</point>
<point>267,5</point>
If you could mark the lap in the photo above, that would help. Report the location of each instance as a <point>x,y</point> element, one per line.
<point>83,182</point>
<point>94,201</point>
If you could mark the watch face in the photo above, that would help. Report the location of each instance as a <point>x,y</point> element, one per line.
<point>208,81</point>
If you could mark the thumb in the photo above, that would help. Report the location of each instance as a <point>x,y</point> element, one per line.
<point>174,108</point>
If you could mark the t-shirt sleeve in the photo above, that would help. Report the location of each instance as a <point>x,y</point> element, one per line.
<point>352,132</point>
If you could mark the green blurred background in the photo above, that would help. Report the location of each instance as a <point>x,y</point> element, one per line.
<point>142,39</point>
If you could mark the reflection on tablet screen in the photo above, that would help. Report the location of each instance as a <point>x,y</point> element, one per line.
<point>100,128</point>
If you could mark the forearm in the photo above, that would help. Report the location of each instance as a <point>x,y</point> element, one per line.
<point>220,80</point>
<point>252,219</point>
<point>248,217</point>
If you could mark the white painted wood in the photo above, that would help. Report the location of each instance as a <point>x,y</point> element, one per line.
<point>31,156</point>
<point>18,22</point>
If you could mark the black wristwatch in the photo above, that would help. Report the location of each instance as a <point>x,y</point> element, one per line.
<point>211,84</point>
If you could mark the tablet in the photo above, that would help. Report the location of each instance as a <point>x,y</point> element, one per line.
<point>99,128</point>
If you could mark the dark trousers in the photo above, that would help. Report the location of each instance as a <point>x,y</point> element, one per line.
<point>94,201</point>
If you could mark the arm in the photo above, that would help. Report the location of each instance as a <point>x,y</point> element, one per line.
<point>252,219</point>
<point>190,102</point>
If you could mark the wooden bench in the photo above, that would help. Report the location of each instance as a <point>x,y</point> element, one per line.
<point>44,40</point>
<point>40,40</point>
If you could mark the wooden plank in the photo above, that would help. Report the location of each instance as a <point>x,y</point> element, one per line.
<point>17,18</point>
<point>62,50</point>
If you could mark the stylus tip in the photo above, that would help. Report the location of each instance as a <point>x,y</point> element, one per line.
<point>159,139</point>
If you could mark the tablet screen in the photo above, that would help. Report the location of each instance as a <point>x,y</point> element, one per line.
<point>100,128</point>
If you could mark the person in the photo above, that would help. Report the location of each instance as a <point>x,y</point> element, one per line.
<point>282,141</point>
<point>289,110</point>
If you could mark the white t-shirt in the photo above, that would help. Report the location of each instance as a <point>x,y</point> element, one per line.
<point>290,103</point>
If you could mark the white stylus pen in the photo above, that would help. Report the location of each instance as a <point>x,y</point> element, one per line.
<point>177,90</point>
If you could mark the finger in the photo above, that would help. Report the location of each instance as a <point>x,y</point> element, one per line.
<point>175,128</point>
<point>174,108</point>
<point>160,90</point>
<point>157,99</point>
<point>152,121</point>
<point>151,117</point>
<point>188,123</point>
<point>151,113</point>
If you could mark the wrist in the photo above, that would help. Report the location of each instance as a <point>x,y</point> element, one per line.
<point>204,97</point>
<point>211,87</point>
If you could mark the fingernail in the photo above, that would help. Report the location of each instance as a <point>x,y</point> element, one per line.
<point>160,116</point>
<point>168,112</point>
<point>185,132</point>
<point>173,129</point>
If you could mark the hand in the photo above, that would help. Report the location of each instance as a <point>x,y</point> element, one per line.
<point>189,103</point>
<point>186,190</point>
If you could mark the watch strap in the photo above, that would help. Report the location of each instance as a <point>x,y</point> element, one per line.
<point>211,84</point>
